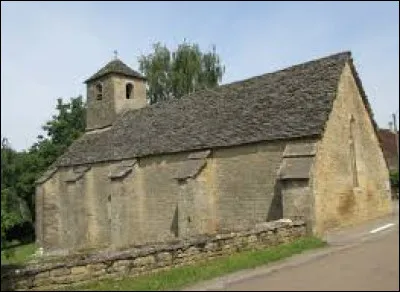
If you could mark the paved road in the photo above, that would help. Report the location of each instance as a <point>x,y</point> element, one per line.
<point>371,266</point>
<point>363,258</point>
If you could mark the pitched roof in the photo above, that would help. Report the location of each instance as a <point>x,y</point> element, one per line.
<point>287,104</point>
<point>117,67</point>
<point>389,147</point>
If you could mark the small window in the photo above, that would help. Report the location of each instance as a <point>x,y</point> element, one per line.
<point>99,91</point>
<point>129,90</point>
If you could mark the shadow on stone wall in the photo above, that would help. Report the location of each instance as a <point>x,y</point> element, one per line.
<point>174,224</point>
<point>275,211</point>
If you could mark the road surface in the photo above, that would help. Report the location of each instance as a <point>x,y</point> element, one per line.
<point>363,258</point>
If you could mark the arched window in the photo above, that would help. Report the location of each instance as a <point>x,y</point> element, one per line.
<point>353,157</point>
<point>129,90</point>
<point>99,91</point>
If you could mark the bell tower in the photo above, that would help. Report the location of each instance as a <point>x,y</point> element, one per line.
<point>114,89</point>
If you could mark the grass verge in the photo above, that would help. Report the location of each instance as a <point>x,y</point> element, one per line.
<point>19,254</point>
<point>177,278</point>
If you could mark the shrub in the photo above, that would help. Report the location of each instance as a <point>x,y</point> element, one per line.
<point>394,178</point>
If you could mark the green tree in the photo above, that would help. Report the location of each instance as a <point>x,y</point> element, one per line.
<point>13,208</point>
<point>19,170</point>
<point>66,126</point>
<point>174,74</point>
<point>394,178</point>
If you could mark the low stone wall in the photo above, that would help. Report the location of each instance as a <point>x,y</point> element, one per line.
<point>148,259</point>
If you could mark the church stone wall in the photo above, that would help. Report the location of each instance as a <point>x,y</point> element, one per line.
<point>98,205</point>
<point>246,184</point>
<point>297,201</point>
<point>74,225</point>
<point>236,188</point>
<point>48,222</point>
<point>338,201</point>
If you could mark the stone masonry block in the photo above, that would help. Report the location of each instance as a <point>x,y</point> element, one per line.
<point>165,257</point>
<point>79,270</point>
<point>42,275</point>
<point>60,272</point>
<point>144,261</point>
<point>96,267</point>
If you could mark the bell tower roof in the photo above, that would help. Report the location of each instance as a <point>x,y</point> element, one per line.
<point>116,66</point>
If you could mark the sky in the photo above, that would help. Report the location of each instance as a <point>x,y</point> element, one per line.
<point>49,48</point>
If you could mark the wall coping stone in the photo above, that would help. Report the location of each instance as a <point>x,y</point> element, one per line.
<point>108,257</point>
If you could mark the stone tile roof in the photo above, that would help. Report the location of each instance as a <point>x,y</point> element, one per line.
<point>117,67</point>
<point>287,104</point>
<point>122,169</point>
<point>189,168</point>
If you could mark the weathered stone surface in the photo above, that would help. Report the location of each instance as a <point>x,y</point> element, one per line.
<point>157,257</point>
<point>252,238</point>
<point>120,266</point>
<point>96,267</point>
<point>98,273</point>
<point>191,251</point>
<point>24,284</point>
<point>211,246</point>
<point>122,263</point>
<point>60,272</point>
<point>62,279</point>
<point>42,275</point>
<point>42,282</point>
<point>78,278</point>
<point>164,257</point>
<point>223,236</point>
<point>79,270</point>
<point>153,175</point>
<point>144,261</point>
<point>349,193</point>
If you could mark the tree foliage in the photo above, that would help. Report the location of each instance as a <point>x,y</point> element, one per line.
<point>19,170</point>
<point>10,214</point>
<point>394,178</point>
<point>174,74</point>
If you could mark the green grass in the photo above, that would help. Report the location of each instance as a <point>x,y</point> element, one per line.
<point>180,277</point>
<point>19,254</point>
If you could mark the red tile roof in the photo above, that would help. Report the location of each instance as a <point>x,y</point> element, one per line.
<point>389,147</point>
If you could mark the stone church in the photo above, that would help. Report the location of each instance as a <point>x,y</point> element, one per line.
<point>297,143</point>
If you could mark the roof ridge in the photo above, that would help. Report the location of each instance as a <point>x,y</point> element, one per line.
<point>227,85</point>
<point>116,66</point>
<point>316,59</point>
<point>271,107</point>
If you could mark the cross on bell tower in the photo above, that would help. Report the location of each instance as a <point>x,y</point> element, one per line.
<point>115,54</point>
